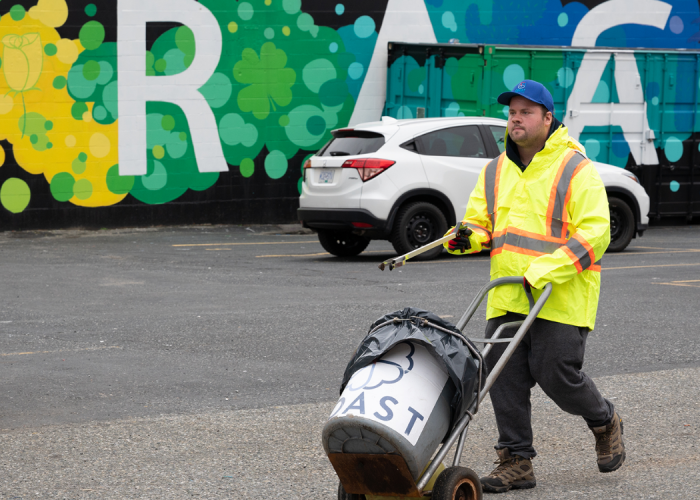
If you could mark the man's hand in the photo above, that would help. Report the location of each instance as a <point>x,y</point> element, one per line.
<point>461,242</point>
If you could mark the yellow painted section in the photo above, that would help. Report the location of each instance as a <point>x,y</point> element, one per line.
<point>52,13</point>
<point>27,77</point>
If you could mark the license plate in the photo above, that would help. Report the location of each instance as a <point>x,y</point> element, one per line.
<point>325,176</point>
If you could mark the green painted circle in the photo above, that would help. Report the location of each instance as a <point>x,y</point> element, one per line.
<point>91,70</point>
<point>119,184</point>
<point>99,113</point>
<point>276,164</point>
<point>78,166</point>
<point>245,11</point>
<point>48,125</point>
<point>83,189</point>
<point>50,49</point>
<point>158,152</point>
<point>168,122</point>
<point>291,6</point>
<point>49,145</point>
<point>233,130</point>
<point>33,138</point>
<point>17,12</point>
<point>15,195</point>
<point>92,34</point>
<point>59,82</point>
<point>284,120</point>
<point>62,186</point>
<point>269,33</point>
<point>318,72</point>
<point>91,9</point>
<point>247,167</point>
<point>217,91</point>
<point>333,92</point>
<point>316,125</point>
<point>160,65</point>
<point>83,157</point>
<point>183,136</point>
<point>78,109</point>
<point>157,179</point>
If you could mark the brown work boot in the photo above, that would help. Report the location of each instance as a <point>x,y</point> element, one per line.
<point>513,471</point>
<point>609,445</point>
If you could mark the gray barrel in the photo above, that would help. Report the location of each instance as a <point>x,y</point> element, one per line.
<point>398,405</point>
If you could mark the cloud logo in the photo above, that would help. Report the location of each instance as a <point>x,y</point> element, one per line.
<point>384,371</point>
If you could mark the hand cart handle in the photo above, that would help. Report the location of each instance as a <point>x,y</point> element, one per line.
<point>459,432</point>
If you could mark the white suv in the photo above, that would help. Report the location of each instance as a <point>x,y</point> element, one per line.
<point>408,181</point>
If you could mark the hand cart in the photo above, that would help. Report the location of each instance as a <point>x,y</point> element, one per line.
<point>456,482</point>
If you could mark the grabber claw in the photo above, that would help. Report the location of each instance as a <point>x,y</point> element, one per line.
<point>393,263</point>
<point>401,260</point>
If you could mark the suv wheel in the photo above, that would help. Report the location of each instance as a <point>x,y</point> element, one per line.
<point>621,225</point>
<point>416,225</point>
<point>342,244</point>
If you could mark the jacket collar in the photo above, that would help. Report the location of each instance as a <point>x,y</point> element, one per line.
<point>558,137</point>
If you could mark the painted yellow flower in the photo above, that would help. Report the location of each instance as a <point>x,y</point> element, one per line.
<point>23,59</point>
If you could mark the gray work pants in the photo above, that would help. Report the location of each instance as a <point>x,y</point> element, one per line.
<point>551,355</point>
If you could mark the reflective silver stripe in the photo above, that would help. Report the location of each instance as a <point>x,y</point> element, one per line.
<point>560,196</point>
<point>498,242</point>
<point>580,252</point>
<point>528,243</point>
<point>490,189</point>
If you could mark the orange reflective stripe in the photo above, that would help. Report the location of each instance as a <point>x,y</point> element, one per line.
<point>553,191</point>
<point>580,252</point>
<point>595,268</point>
<point>559,194</point>
<point>586,245</point>
<point>573,258</point>
<point>579,167</point>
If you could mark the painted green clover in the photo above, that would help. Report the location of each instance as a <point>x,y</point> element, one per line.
<point>23,59</point>
<point>268,80</point>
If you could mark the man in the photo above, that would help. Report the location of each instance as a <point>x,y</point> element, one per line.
<point>542,209</point>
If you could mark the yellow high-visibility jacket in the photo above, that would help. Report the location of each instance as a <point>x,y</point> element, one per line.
<point>550,223</point>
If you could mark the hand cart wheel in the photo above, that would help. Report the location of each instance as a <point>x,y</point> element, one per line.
<point>457,483</point>
<point>344,495</point>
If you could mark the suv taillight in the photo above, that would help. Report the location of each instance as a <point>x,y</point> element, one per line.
<point>368,167</point>
<point>307,165</point>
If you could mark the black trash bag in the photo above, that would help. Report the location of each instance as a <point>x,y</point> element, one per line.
<point>423,327</point>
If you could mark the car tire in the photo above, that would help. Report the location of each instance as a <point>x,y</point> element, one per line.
<point>622,224</point>
<point>342,244</point>
<point>418,224</point>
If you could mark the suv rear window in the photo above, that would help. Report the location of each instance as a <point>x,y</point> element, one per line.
<point>352,142</point>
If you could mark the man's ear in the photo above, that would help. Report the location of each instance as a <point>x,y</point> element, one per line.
<point>548,118</point>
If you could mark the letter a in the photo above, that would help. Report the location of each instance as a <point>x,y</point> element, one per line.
<point>136,89</point>
<point>358,404</point>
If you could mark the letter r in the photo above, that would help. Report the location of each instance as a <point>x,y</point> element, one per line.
<point>136,89</point>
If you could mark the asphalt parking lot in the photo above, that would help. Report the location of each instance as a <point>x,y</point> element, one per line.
<point>203,361</point>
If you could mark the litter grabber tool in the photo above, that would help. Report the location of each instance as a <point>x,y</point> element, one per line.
<point>408,396</point>
<point>401,260</point>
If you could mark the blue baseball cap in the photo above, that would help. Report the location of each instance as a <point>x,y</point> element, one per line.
<point>532,90</point>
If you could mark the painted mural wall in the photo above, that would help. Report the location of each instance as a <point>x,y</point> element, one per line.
<point>175,111</point>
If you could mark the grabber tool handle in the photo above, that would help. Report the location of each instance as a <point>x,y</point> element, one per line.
<point>401,260</point>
